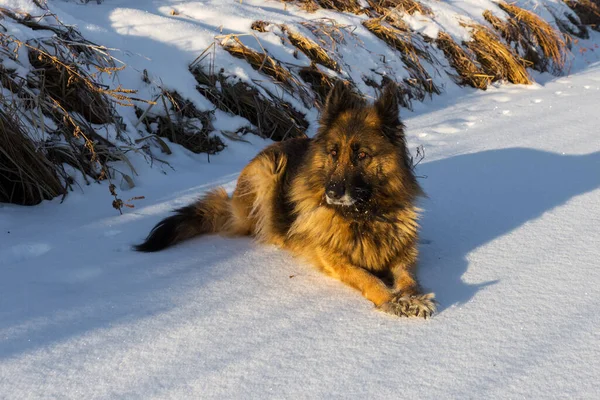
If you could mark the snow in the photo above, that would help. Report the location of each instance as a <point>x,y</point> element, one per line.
<point>510,236</point>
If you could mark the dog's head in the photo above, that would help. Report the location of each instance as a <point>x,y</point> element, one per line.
<point>360,164</point>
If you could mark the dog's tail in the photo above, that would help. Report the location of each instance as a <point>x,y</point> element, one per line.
<point>210,214</point>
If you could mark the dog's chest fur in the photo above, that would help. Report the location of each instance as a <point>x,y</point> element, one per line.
<point>373,244</point>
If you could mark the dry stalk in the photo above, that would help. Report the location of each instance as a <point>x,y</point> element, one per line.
<point>541,44</point>
<point>496,59</point>
<point>462,62</point>
<point>411,55</point>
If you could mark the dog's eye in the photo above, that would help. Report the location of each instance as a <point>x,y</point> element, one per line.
<point>362,155</point>
<point>333,153</point>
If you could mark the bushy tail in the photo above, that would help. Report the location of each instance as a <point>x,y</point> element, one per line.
<point>210,214</point>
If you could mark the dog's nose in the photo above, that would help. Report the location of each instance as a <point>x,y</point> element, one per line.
<point>335,190</point>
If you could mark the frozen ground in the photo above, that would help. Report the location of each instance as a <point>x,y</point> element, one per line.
<point>511,234</point>
<point>510,246</point>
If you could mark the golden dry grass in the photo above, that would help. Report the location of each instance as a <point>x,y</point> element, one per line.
<point>410,54</point>
<point>496,59</point>
<point>540,42</point>
<point>351,6</point>
<point>311,49</point>
<point>261,62</point>
<point>407,6</point>
<point>462,62</point>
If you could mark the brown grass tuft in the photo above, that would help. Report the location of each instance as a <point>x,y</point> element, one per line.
<point>272,117</point>
<point>311,49</point>
<point>588,12</point>
<point>70,89</point>
<point>351,6</point>
<point>261,62</point>
<point>57,102</point>
<point>319,82</point>
<point>407,6</point>
<point>182,123</point>
<point>411,55</point>
<point>260,26</point>
<point>462,62</point>
<point>540,43</point>
<point>26,175</point>
<point>496,59</point>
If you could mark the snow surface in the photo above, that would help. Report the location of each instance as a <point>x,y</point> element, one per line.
<point>510,236</point>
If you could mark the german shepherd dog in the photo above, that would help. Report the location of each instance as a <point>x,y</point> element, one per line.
<point>344,201</point>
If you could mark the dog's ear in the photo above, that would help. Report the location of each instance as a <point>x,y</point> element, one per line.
<point>387,105</point>
<point>387,109</point>
<point>339,99</point>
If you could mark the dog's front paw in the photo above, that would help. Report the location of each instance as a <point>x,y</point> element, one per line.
<point>419,305</point>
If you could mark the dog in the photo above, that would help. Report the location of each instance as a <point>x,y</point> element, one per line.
<point>343,200</point>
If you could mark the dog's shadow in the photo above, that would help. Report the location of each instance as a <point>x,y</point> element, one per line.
<point>477,198</point>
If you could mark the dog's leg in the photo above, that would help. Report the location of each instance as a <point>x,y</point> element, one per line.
<point>408,299</point>
<point>371,287</point>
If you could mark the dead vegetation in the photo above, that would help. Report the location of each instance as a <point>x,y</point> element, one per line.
<point>261,62</point>
<point>402,40</point>
<point>468,73</point>
<point>27,176</point>
<point>308,47</point>
<point>273,118</point>
<point>588,12</point>
<point>351,6</point>
<point>61,109</point>
<point>75,122</point>
<point>181,122</point>
<point>329,32</point>
<point>319,82</point>
<point>408,6</point>
<point>539,43</point>
<point>311,49</point>
<point>495,58</point>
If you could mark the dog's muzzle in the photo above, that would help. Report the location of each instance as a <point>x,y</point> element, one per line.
<point>345,200</point>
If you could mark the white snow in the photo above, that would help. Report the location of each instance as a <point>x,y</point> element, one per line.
<point>510,236</point>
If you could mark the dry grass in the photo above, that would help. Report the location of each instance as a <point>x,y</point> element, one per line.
<point>411,55</point>
<point>496,59</point>
<point>351,6</point>
<point>462,62</point>
<point>311,49</point>
<point>261,62</point>
<point>407,6</point>
<point>181,122</point>
<point>540,43</point>
<point>319,82</point>
<point>26,175</point>
<point>404,93</point>
<point>588,12</point>
<point>329,33</point>
<point>260,26</point>
<point>273,118</point>
<point>56,104</point>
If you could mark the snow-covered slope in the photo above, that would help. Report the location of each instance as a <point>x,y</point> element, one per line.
<point>510,246</point>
